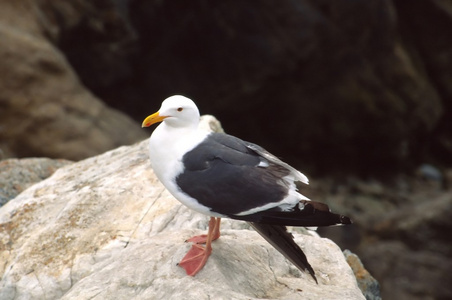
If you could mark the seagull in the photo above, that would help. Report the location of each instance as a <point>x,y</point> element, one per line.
<point>222,176</point>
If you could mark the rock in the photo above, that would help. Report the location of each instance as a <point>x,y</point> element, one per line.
<point>108,40</point>
<point>45,110</point>
<point>401,234</point>
<point>210,123</point>
<point>429,172</point>
<point>392,262</point>
<point>368,285</point>
<point>369,187</point>
<point>105,227</point>
<point>18,174</point>
<point>448,177</point>
<point>426,221</point>
<point>431,46</point>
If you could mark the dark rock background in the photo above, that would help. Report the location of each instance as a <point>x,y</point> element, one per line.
<point>44,108</point>
<point>337,82</point>
<point>360,91</point>
<point>401,231</point>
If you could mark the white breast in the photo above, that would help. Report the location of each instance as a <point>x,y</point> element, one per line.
<point>167,147</point>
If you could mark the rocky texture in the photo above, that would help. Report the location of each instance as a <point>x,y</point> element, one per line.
<point>16,175</point>
<point>431,47</point>
<point>366,282</point>
<point>105,228</point>
<point>44,109</point>
<point>401,232</point>
<point>408,273</point>
<point>416,235</point>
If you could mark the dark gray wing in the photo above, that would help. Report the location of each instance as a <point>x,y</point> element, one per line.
<point>232,176</point>
<point>226,175</point>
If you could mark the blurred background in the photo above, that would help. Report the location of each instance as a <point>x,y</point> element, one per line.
<point>355,93</point>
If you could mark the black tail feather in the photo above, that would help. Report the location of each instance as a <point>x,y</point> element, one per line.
<point>271,224</point>
<point>307,214</point>
<point>282,240</point>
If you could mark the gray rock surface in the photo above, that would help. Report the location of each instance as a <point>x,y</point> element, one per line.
<point>18,174</point>
<point>105,228</point>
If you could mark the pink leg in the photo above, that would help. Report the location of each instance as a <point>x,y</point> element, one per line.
<point>197,256</point>
<point>202,239</point>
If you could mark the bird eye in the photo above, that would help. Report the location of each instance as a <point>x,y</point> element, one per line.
<point>180,109</point>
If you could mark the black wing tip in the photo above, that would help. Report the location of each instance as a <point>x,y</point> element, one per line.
<point>315,279</point>
<point>311,272</point>
<point>312,214</point>
<point>345,220</point>
<point>282,240</point>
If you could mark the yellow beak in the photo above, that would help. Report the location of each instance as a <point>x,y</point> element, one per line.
<point>152,119</point>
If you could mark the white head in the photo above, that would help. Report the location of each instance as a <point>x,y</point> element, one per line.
<point>176,111</point>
